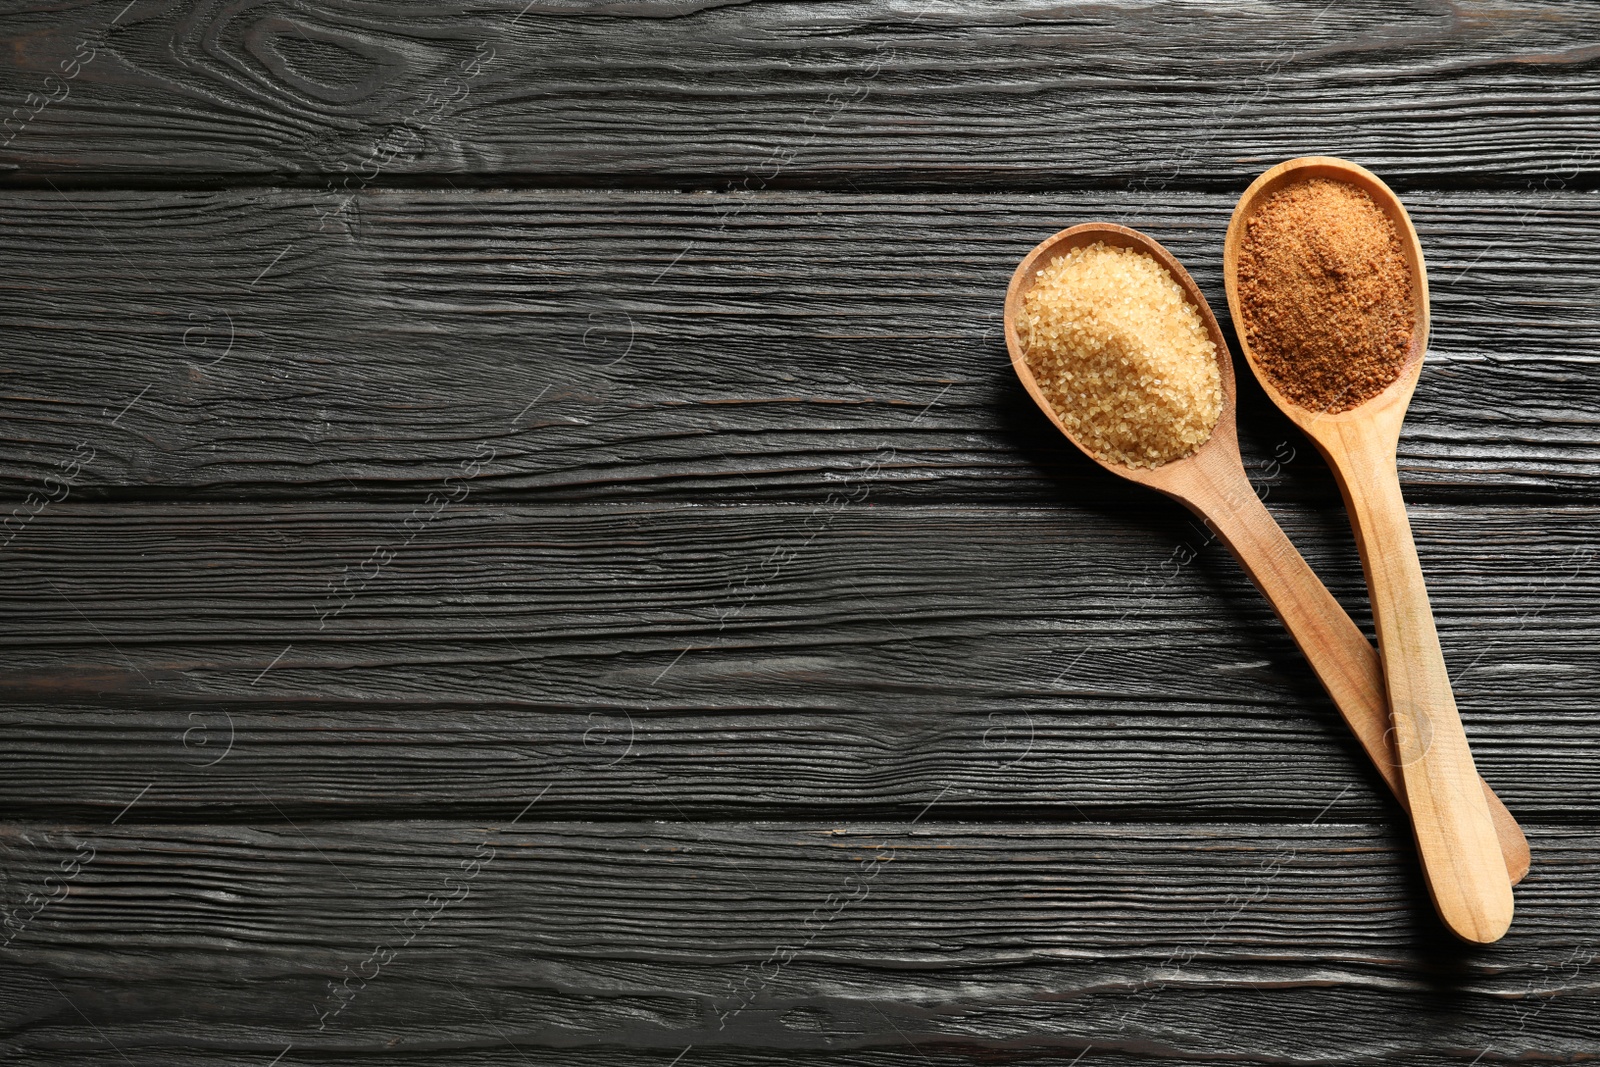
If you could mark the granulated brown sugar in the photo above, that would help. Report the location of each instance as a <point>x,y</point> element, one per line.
<point>1325,294</point>
<point>1121,355</point>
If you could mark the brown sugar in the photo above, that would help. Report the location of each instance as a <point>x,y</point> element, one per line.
<point>1122,355</point>
<point>1325,294</point>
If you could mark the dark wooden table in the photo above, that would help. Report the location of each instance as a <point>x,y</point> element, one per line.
<point>525,546</point>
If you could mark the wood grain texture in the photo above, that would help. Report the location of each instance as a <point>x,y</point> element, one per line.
<point>764,659</point>
<point>1132,937</point>
<point>850,94</point>
<point>482,1051</point>
<point>618,346</point>
<point>608,380</point>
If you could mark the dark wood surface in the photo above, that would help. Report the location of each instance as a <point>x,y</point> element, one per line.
<point>530,550</point>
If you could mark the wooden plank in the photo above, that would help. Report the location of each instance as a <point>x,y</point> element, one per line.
<point>887,92</point>
<point>739,660</point>
<point>603,346</point>
<point>487,1050</point>
<point>483,1052</point>
<point>1206,940</point>
<point>1074,759</point>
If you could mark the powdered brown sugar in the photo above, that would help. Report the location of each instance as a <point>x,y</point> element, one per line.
<point>1325,294</point>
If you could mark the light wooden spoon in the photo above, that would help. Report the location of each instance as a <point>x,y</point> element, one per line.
<point>1211,482</point>
<point>1454,827</point>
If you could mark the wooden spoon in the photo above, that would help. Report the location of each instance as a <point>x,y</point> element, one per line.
<point>1454,826</point>
<point>1211,482</point>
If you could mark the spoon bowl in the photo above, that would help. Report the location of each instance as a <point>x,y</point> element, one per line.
<point>1392,402</point>
<point>1211,482</point>
<point>1452,819</point>
<point>1219,453</point>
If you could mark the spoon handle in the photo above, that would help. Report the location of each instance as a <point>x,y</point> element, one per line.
<point>1455,834</point>
<point>1339,653</point>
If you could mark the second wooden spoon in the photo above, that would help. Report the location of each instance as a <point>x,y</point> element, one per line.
<point>1211,482</point>
<point>1454,829</point>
